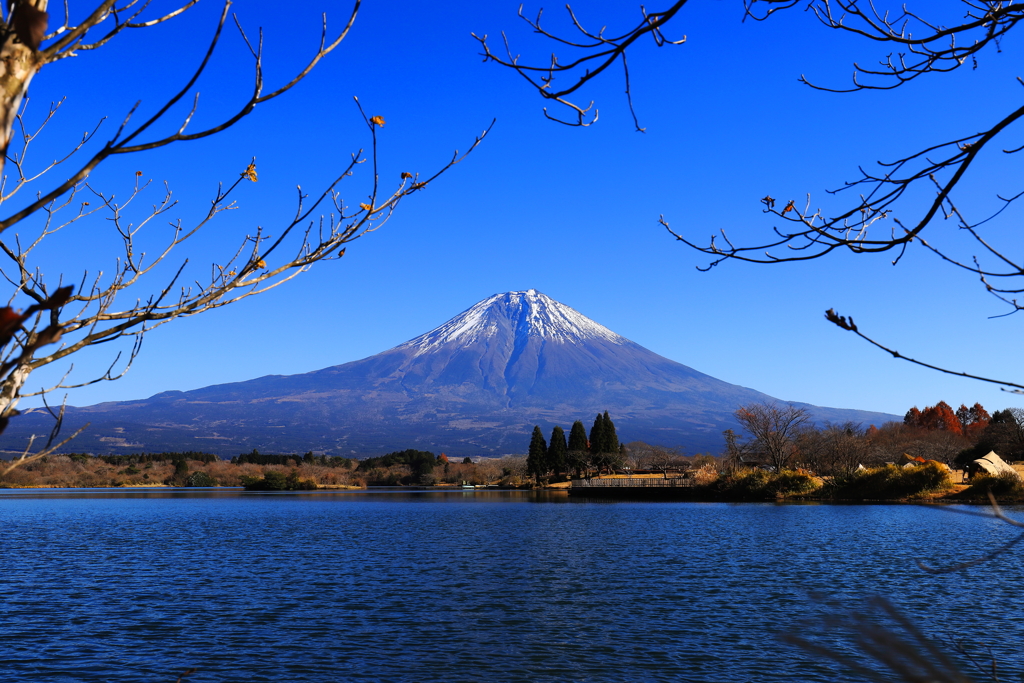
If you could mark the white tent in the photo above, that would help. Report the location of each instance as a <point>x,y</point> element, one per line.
<point>991,464</point>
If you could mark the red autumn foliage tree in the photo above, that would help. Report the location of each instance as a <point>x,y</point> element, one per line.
<point>937,417</point>
<point>966,422</point>
<point>972,420</point>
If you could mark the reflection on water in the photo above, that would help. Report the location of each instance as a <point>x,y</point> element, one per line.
<point>130,585</point>
<point>392,493</point>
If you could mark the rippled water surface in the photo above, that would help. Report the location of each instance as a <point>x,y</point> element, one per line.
<point>474,586</point>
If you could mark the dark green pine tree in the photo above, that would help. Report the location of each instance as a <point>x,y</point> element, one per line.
<point>536,461</point>
<point>598,443</point>
<point>557,451</point>
<point>578,437</point>
<point>597,436</point>
<point>577,455</point>
<point>611,439</point>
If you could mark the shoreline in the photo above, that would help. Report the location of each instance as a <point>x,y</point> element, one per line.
<point>610,494</point>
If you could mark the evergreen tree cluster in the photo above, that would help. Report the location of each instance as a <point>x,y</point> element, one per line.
<point>278,481</point>
<point>257,458</point>
<point>142,458</point>
<point>601,451</point>
<point>604,443</point>
<point>537,457</point>
<point>254,457</point>
<point>420,462</point>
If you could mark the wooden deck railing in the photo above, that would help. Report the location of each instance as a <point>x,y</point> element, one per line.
<point>632,482</point>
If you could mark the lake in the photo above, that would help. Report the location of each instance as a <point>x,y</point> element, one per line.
<point>473,586</point>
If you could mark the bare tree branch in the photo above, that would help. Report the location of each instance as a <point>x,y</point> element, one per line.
<point>881,210</point>
<point>149,287</point>
<point>842,322</point>
<point>599,52</point>
<point>885,637</point>
<point>996,513</point>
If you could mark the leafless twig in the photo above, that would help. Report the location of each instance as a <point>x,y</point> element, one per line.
<point>151,283</point>
<point>596,53</point>
<point>887,638</point>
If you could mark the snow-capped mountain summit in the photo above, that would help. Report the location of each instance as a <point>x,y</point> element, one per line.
<point>517,348</point>
<point>475,385</point>
<point>521,314</point>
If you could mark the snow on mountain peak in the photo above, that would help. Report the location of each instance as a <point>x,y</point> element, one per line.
<point>528,313</point>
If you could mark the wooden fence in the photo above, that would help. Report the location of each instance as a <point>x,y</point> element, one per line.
<point>632,482</point>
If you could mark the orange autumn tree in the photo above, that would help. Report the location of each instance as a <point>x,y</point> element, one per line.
<point>937,417</point>
<point>966,422</point>
<point>973,420</point>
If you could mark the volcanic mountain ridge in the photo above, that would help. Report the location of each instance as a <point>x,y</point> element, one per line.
<point>476,385</point>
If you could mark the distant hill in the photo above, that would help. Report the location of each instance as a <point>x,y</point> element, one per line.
<point>476,385</point>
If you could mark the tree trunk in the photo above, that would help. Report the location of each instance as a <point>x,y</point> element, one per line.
<point>19,62</point>
<point>11,387</point>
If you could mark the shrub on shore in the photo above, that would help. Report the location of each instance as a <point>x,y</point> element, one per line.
<point>760,484</point>
<point>72,471</point>
<point>706,474</point>
<point>790,483</point>
<point>278,481</point>
<point>1006,487</point>
<point>892,483</point>
<point>200,479</point>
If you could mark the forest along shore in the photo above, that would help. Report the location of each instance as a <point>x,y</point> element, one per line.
<point>923,482</point>
<point>264,471</point>
<point>928,482</point>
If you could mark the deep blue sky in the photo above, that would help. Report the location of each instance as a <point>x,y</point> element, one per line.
<point>571,212</point>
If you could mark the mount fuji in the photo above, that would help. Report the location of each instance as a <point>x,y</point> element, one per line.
<point>476,385</point>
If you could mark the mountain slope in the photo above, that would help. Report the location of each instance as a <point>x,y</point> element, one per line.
<point>473,386</point>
